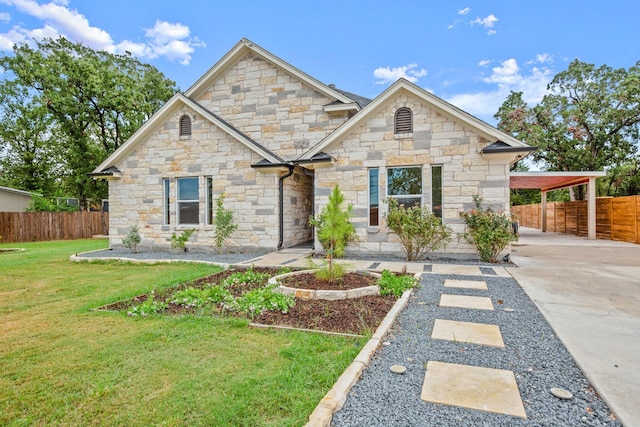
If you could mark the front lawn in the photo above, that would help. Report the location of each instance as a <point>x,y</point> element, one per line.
<point>64,364</point>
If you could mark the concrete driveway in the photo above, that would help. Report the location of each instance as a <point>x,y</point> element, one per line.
<point>589,291</point>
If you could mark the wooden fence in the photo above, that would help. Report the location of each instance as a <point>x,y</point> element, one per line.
<point>40,226</point>
<point>616,218</point>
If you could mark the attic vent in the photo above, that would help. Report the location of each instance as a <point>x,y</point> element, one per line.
<point>185,125</point>
<point>403,121</point>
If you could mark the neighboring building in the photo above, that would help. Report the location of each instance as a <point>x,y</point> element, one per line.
<point>275,141</point>
<point>12,200</point>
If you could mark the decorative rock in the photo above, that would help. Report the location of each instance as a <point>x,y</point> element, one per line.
<point>398,369</point>
<point>409,359</point>
<point>386,343</point>
<point>508,310</point>
<point>561,393</point>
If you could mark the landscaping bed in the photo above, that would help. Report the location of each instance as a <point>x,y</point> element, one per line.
<point>355,316</point>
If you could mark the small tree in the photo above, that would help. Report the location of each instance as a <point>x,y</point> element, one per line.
<point>489,231</point>
<point>419,230</point>
<point>334,232</point>
<point>132,239</point>
<point>223,222</point>
<point>179,241</point>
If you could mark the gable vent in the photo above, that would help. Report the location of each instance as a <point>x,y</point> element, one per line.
<point>185,125</point>
<point>403,121</point>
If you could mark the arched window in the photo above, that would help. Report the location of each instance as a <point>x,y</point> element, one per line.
<point>403,122</point>
<point>185,125</point>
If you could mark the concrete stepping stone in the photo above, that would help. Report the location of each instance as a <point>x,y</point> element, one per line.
<point>465,270</point>
<point>484,389</point>
<point>464,301</point>
<point>467,332</point>
<point>466,284</point>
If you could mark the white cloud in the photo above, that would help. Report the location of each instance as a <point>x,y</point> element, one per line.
<point>507,77</point>
<point>5,17</point>
<point>169,40</point>
<point>488,22</point>
<point>464,11</point>
<point>389,75</point>
<point>485,62</point>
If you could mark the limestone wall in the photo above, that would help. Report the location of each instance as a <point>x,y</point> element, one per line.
<point>271,106</point>
<point>137,198</point>
<point>436,140</point>
<point>298,207</point>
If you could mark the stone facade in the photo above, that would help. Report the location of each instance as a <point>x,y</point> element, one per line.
<point>255,118</point>
<point>435,140</point>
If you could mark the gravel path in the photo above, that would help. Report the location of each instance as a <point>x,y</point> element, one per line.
<point>532,351</point>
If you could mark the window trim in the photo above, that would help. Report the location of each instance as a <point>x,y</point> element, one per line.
<point>180,201</point>
<point>399,196</point>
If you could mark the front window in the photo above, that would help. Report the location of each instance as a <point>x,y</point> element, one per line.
<point>188,201</point>
<point>166,198</point>
<point>405,185</point>
<point>210,211</point>
<point>436,190</point>
<point>373,198</point>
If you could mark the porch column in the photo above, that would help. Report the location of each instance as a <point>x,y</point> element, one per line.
<point>591,210</point>
<point>543,207</point>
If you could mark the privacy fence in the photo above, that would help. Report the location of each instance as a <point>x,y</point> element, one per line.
<point>40,226</point>
<point>616,218</point>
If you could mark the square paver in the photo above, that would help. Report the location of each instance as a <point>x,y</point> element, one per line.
<point>467,332</point>
<point>485,389</point>
<point>464,301</point>
<point>467,284</point>
<point>465,270</point>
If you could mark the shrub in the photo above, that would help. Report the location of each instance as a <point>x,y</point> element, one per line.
<point>489,231</point>
<point>334,229</point>
<point>179,241</point>
<point>223,223</point>
<point>419,230</point>
<point>132,239</point>
<point>246,277</point>
<point>391,284</point>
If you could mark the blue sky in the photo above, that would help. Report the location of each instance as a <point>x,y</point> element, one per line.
<point>471,53</point>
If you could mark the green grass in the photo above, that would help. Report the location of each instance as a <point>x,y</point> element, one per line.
<point>62,363</point>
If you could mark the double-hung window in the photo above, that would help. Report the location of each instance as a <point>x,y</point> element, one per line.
<point>188,201</point>
<point>374,212</point>
<point>405,185</point>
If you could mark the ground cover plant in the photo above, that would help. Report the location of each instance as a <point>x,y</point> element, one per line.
<point>64,363</point>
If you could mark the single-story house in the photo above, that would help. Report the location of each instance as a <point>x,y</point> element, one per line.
<point>274,141</point>
<point>13,200</point>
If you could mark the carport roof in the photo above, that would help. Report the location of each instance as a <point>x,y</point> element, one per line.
<point>547,181</point>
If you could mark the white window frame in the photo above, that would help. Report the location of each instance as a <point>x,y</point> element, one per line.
<point>404,196</point>
<point>179,201</point>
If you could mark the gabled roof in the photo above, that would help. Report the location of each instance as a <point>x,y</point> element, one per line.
<point>16,191</point>
<point>161,115</point>
<point>245,46</point>
<point>485,130</point>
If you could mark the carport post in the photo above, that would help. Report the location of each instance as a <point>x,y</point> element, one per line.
<point>543,207</point>
<point>591,210</point>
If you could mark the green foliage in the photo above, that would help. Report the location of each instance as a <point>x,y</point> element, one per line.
<point>247,277</point>
<point>132,239</point>
<point>223,223</point>
<point>334,228</point>
<point>330,273</point>
<point>149,307</point>
<point>40,203</point>
<point>589,120</point>
<point>419,230</point>
<point>391,284</point>
<point>178,241</point>
<point>255,302</point>
<point>65,107</point>
<point>489,231</point>
<point>198,298</point>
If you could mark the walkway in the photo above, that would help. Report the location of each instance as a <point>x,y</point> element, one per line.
<point>589,291</point>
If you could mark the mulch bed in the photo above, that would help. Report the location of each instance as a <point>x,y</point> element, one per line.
<point>353,316</point>
<point>310,281</point>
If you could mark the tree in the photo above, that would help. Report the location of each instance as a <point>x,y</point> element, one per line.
<point>335,230</point>
<point>92,101</point>
<point>223,222</point>
<point>589,120</point>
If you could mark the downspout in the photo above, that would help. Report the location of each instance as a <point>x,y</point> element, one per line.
<point>281,202</point>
